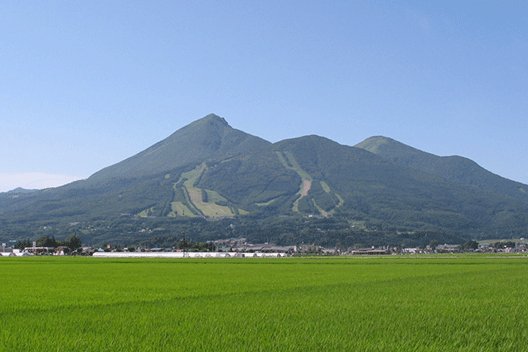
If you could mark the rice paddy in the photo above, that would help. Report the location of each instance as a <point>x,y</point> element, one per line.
<point>462,303</point>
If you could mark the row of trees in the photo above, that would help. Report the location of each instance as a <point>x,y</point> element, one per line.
<point>73,242</point>
<point>178,243</point>
<point>472,245</point>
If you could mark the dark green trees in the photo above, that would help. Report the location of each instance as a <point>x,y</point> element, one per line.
<point>73,242</point>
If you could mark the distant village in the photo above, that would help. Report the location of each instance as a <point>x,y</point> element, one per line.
<point>239,248</point>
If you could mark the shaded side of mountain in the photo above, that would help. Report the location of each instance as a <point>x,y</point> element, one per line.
<point>453,168</point>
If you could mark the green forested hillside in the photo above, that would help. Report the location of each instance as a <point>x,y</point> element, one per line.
<point>212,181</point>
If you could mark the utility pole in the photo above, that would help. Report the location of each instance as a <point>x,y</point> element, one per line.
<point>184,244</point>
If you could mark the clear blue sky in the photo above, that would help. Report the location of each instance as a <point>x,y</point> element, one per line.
<point>86,84</point>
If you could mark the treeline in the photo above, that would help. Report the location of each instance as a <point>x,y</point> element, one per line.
<point>472,245</point>
<point>178,243</point>
<point>285,230</point>
<point>72,242</point>
<point>291,230</point>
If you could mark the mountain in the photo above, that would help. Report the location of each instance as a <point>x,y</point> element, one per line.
<point>212,181</point>
<point>453,168</point>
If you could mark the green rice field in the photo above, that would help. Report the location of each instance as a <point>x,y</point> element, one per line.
<point>452,303</point>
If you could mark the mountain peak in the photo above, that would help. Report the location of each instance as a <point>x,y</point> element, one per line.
<point>215,118</point>
<point>208,124</point>
<point>204,139</point>
<point>374,143</point>
<point>21,190</point>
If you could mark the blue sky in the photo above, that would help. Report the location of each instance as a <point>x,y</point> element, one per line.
<point>86,84</point>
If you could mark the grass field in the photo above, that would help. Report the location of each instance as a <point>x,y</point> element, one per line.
<point>464,303</point>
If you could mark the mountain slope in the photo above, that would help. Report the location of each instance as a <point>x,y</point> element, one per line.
<point>453,168</point>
